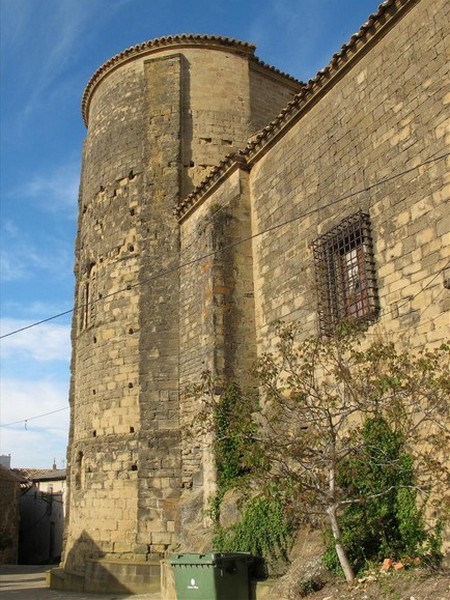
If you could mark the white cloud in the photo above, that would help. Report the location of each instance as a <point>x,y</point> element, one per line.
<point>34,310</point>
<point>59,27</point>
<point>14,20</point>
<point>20,260</point>
<point>26,400</point>
<point>55,192</point>
<point>34,442</point>
<point>12,268</point>
<point>61,30</point>
<point>290,52</point>
<point>311,32</point>
<point>43,343</point>
<point>26,252</point>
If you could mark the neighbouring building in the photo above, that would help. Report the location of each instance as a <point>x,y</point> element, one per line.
<point>5,460</point>
<point>10,488</point>
<point>41,515</point>
<point>218,196</point>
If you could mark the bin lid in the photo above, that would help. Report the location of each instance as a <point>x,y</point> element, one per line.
<point>210,558</point>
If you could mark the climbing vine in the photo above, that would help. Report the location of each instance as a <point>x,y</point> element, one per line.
<point>263,529</point>
<point>233,430</point>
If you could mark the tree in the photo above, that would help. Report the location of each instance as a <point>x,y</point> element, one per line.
<point>320,396</point>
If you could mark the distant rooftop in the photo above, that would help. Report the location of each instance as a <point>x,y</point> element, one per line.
<point>42,474</point>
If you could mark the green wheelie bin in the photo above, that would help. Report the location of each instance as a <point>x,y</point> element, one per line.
<point>212,576</point>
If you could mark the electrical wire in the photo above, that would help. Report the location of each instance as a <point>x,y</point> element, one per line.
<point>432,302</point>
<point>237,242</point>
<point>33,418</point>
<point>36,323</point>
<point>396,332</point>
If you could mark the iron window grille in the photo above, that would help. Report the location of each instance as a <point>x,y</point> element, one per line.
<point>345,274</point>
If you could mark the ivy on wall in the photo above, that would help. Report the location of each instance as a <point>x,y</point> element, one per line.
<point>263,529</point>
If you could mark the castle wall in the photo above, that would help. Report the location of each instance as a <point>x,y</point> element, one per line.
<point>105,391</point>
<point>218,119</point>
<point>372,140</point>
<point>216,280</point>
<point>159,301</point>
<point>363,144</point>
<point>159,465</point>
<point>157,123</point>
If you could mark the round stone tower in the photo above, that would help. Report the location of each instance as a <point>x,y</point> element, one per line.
<point>159,116</point>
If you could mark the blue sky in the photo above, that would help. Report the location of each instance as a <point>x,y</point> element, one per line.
<point>49,50</point>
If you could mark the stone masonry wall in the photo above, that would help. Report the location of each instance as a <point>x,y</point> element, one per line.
<point>159,466</point>
<point>217,328</point>
<point>371,142</point>
<point>105,384</point>
<point>159,301</point>
<point>266,92</point>
<point>157,123</point>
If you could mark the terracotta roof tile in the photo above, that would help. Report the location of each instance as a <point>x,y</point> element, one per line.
<point>42,474</point>
<point>374,22</point>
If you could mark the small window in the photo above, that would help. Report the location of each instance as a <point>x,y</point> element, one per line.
<point>345,274</point>
<point>87,294</point>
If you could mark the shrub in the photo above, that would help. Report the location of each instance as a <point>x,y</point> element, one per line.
<point>387,523</point>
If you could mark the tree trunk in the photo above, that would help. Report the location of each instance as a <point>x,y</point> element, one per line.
<point>340,550</point>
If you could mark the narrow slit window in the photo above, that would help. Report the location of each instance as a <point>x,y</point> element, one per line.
<point>87,302</point>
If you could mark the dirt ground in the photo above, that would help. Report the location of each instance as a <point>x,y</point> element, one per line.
<point>416,584</point>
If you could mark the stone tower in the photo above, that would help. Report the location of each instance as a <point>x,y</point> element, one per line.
<point>159,116</point>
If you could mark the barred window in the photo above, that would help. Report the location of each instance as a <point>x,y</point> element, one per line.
<point>345,274</point>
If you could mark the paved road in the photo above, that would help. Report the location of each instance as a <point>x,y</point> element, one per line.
<point>23,582</point>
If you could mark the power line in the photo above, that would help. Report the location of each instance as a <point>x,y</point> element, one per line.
<point>237,242</point>
<point>396,332</point>
<point>365,333</point>
<point>25,327</point>
<point>33,418</point>
<point>375,334</point>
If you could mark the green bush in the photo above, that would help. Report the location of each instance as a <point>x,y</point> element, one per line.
<point>385,522</point>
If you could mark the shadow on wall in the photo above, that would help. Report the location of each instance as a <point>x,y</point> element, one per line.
<point>41,527</point>
<point>80,551</point>
<point>87,569</point>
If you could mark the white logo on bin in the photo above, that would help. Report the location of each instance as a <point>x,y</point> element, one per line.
<point>192,585</point>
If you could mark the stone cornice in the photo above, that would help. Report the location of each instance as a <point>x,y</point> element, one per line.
<point>387,14</point>
<point>167,42</point>
<point>227,165</point>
